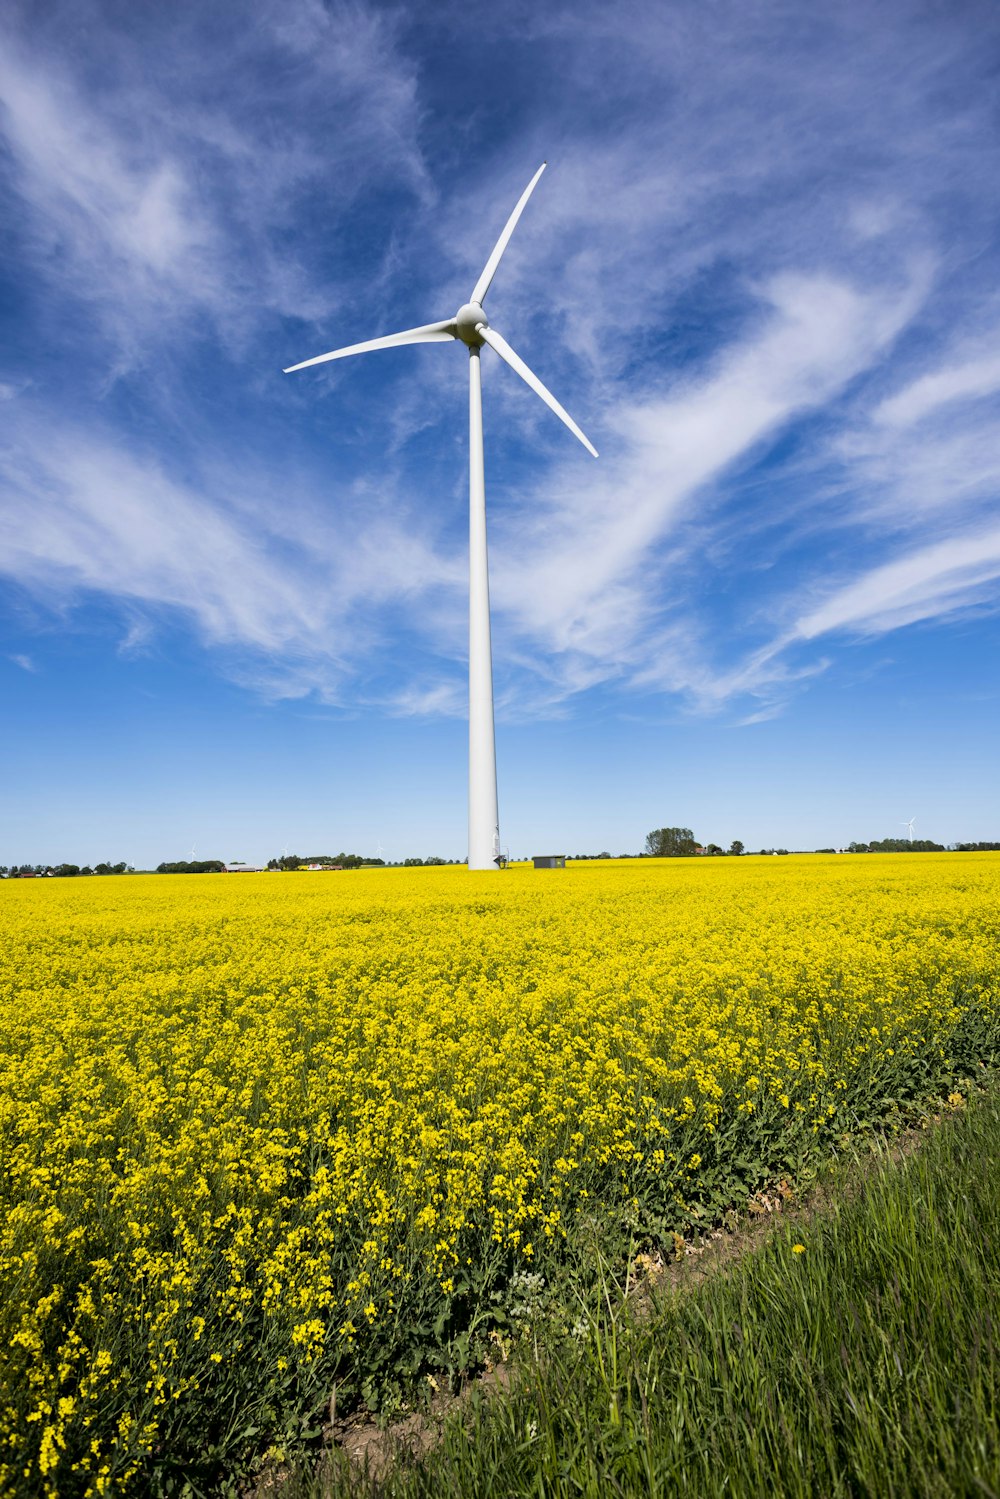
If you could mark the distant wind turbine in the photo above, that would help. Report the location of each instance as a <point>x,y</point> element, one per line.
<point>910,826</point>
<point>471,326</point>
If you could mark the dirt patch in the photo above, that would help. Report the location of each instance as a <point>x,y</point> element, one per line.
<point>368,1447</point>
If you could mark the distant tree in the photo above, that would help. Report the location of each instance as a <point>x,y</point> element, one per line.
<point>713,849</point>
<point>188,866</point>
<point>977,848</point>
<point>736,847</point>
<point>826,850</point>
<point>906,846</point>
<point>670,843</point>
<point>896,846</point>
<point>66,869</point>
<point>412,863</point>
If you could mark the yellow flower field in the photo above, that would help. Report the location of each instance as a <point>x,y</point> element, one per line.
<point>264,1132</point>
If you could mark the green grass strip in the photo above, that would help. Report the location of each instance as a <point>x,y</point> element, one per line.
<point>864,1362</point>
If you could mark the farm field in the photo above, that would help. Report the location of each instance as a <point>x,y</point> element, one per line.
<point>264,1134</point>
<point>851,1352</point>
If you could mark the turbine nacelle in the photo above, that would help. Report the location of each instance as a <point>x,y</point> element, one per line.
<point>468,320</point>
<point>470,326</point>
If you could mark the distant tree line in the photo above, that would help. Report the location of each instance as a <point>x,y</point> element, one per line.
<point>354,861</point>
<point>192,866</point>
<point>63,871</point>
<point>680,843</point>
<point>346,861</point>
<point>661,843</point>
<point>895,846</point>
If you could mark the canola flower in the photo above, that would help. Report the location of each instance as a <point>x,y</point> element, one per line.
<point>256,1130</point>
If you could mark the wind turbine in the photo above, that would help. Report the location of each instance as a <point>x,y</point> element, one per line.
<point>910,826</point>
<point>470,326</point>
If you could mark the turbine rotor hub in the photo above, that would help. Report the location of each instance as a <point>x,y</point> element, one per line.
<point>466,319</point>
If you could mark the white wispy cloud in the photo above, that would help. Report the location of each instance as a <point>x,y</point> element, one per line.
<point>447,699</point>
<point>575,567</point>
<point>740,244</point>
<point>942,387</point>
<point>162,197</point>
<point>82,516</point>
<point>932,582</point>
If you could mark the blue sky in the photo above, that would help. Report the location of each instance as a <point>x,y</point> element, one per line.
<point>761,271</point>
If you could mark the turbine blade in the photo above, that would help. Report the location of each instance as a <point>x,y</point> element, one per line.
<point>490,269</point>
<point>428,334</point>
<point>492,337</point>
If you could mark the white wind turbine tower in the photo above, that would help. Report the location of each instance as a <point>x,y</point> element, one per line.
<point>910,826</point>
<point>471,326</point>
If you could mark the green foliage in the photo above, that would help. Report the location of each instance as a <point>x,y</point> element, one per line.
<point>192,866</point>
<point>66,871</point>
<point>341,860</point>
<point>670,843</point>
<point>905,846</point>
<point>894,846</point>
